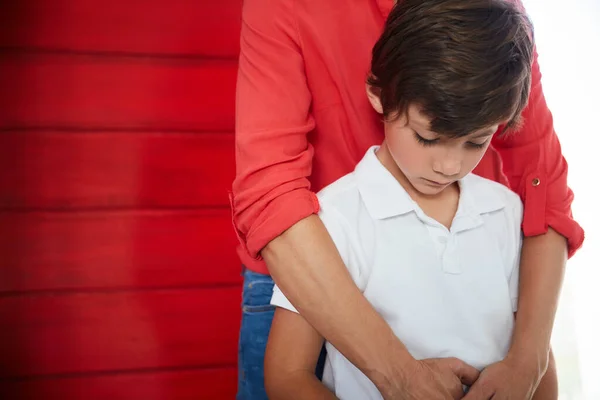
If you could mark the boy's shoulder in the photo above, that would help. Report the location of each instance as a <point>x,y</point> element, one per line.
<point>341,192</point>
<point>342,202</point>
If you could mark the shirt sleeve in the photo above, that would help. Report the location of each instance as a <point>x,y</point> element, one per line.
<point>347,246</point>
<point>537,171</point>
<point>271,191</point>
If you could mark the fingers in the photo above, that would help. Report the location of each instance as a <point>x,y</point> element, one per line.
<point>479,392</point>
<point>466,373</point>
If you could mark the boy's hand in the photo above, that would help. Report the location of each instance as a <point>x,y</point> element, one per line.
<point>435,379</point>
<point>506,379</point>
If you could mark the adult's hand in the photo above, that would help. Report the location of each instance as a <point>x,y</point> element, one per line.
<point>435,379</point>
<point>506,379</point>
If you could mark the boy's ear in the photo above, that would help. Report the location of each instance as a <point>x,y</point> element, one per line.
<point>373,95</point>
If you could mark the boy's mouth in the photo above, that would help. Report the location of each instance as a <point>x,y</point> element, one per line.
<point>436,183</point>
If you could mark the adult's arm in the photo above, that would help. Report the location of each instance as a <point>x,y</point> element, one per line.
<point>537,171</point>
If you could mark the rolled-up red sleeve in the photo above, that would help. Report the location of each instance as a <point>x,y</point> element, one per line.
<point>271,191</point>
<point>537,171</point>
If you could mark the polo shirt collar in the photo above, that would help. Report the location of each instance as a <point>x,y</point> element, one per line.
<point>384,197</point>
<point>473,203</point>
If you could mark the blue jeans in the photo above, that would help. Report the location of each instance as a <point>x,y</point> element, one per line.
<point>257,315</point>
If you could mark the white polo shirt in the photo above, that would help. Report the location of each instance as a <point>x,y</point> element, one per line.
<point>445,293</point>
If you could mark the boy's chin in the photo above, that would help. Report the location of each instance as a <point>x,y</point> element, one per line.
<point>427,189</point>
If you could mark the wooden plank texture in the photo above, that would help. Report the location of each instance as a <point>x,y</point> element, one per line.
<point>118,272</point>
<point>79,170</point>
<point>98,92</point>
<point>178,27</point>
<point>209,384</point>
<point>127,249</point>
<point>75,333</point>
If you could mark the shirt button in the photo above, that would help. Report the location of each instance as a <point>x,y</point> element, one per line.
<point>535,182</point>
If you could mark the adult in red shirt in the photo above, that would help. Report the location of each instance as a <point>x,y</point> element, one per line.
<point>303,121</point>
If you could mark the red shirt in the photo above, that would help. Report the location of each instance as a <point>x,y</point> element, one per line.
<point>303,120</point>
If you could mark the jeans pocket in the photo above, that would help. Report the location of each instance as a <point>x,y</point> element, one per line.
<point>257,293</point>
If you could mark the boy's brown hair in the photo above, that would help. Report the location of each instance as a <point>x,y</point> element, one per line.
<point>466,63</point>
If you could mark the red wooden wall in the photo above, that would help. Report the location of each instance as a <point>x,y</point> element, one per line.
<point>118,275</point>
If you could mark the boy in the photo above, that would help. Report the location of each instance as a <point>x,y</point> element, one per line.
<point>434,248</point>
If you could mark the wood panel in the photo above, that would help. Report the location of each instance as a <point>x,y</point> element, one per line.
<point>96,92</point>
<point>68,170</point>
<point>201,27</point>
<point>118,331</point>
<point>126,249</point>
<point>214,383</point>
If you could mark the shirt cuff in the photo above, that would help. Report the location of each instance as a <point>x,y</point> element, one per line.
<point>278,216</point>
<point>538,215</point>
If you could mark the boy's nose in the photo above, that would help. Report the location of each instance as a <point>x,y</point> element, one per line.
<point>449,166</point>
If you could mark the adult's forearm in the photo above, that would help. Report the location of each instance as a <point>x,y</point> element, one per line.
<point>306,265</point>
<point>543,260</point>
<point>548,387</point>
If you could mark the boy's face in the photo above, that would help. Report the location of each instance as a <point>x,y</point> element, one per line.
<point>431,162</point>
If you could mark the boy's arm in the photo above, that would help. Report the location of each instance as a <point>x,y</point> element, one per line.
<point>291,358</point>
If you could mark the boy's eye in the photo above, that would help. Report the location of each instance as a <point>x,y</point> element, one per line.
<point>425,142</point>
<point>476,145</point>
